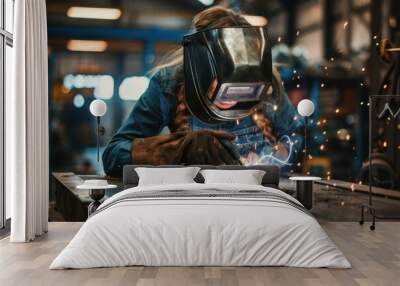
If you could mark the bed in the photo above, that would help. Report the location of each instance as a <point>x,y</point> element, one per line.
<point>198,224</point>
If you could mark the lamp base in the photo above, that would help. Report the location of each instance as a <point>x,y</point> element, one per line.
<point>96,195</point>
<point>372,211</point>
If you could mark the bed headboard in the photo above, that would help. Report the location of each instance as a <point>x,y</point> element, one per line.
<point>271,178</point>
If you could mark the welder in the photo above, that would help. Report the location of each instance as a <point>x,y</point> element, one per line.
<point>219,96</point>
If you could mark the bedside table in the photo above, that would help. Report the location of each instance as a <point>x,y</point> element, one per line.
<point>72,203</point>
<point>304,189</point>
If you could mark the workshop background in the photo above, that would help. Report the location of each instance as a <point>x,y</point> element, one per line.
<point>326,51</point>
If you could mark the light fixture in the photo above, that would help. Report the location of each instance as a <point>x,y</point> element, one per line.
<point>103,85</point>
<point>94,13</point>
<point>104,88</point>
<point>78,101</point>
<point>256,20</point>
<point>164,21</point>
<point>206,2</point>
<point>98,108</point>
<point>86,46</point>
<point>133,87</point>
<point>306,109</point>
<point>97,188</point>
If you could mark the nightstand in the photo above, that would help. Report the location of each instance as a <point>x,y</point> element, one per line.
<point>72,203</point>
<point>304,189</point>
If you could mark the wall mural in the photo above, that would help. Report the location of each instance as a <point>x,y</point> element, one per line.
<point>223,104</point>
<point>385,142</point>
<point>388,112</point>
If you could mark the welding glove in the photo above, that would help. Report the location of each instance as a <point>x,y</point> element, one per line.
<point>158,150</point>
<point>186,147</point>
<point>209,147</point>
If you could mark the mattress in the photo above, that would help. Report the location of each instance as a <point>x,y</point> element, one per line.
<point>201,225</point>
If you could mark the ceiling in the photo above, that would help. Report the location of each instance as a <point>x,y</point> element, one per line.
<point>170,14</point>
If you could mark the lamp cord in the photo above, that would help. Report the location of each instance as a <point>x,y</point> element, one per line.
<point>305,142</point>
<point>98,137</point>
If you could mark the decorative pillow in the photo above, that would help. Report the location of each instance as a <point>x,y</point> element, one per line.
<point>247,177</point>
<point>165,176</point>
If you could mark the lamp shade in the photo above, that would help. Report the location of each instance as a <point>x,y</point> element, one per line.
<point>305,107</point>
<point>98,108</point>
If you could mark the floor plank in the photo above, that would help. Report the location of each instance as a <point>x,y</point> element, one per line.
<point>375,257</point>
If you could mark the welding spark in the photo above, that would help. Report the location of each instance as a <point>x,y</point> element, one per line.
<point>271,157</point>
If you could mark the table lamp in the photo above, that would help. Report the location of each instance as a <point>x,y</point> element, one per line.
<point>304,184</point>
<point>98,108</point>
<point>97,188</point>
<point>306,109</point>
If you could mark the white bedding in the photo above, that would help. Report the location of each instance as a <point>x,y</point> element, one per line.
<point>188,231</point>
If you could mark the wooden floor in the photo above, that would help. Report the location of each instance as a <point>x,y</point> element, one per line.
<point>375,257</point>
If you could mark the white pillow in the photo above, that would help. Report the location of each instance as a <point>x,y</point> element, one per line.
<point>166,176</point>
<point>247,177</point>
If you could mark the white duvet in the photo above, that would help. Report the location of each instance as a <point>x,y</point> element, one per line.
<point>200,231</point>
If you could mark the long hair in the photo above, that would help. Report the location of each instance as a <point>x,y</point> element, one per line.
<point>211,18</point>
<point>214,17</point>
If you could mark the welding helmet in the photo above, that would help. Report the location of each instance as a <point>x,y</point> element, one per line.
<point>226,72</point>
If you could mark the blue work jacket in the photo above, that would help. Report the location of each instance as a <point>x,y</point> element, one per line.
<point>155,110</point>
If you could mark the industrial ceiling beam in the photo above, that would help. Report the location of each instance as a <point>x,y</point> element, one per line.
<point>290,7</point>
<point>112,33</point>
<point>394,22</point>
<point>376,30</point>
<point>329,50</point>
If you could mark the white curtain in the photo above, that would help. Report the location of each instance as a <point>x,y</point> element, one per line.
<point>27,124</point>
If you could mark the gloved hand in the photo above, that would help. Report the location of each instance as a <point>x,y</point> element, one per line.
<point>208,147</point>
<point>158,150</point>
<point>186,147</point>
